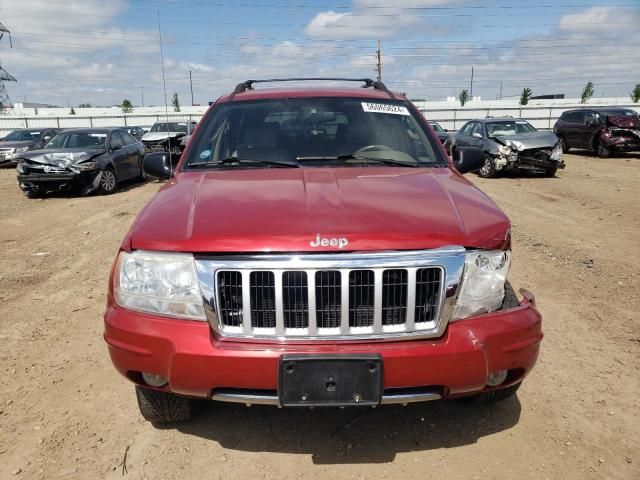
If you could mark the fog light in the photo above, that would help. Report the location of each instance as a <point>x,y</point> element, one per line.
<point>154,380</point>
<point>496,378</point>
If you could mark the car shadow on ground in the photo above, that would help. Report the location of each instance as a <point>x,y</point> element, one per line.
<point>613,156</point>
<point>335,436</point>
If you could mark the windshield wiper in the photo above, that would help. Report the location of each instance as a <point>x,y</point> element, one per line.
<point>243,161</point>
<point>360,158</point>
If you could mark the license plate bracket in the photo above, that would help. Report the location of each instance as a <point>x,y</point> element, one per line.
<point>334,380</point>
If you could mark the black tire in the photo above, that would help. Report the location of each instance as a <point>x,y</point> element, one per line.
<point>563,144</point>
<point>602,150</point>
<point>142,177</point>
<point>550,172</point>
<point>108,182</point>
<point>492,396</point>
<point>160,407</point>
<point>32,194</point>
<point>510,297</point>
<point>488,170</point>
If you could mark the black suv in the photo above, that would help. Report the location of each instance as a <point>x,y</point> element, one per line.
<point>603,130</point>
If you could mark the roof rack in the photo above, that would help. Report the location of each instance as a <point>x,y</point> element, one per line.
<point>248,84</point>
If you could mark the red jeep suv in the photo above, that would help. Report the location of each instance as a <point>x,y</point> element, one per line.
<point>317,247</point>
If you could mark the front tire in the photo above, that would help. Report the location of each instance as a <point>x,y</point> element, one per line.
<point>162,407</point>
<point>550,172</point>
<point>488,170</point>
<point>603,151</point>
<point>108,182</point>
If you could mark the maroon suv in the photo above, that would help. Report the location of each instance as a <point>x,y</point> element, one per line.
<point>604,130</point>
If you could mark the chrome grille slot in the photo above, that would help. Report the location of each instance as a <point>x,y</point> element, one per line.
<point>394,297</point>
<point>263,299</point>
<point>230,290</point>
<point>361,298</point>
<point>427,294</point>
<point>341,296</point>
<point>295,300</point>
<point>328,296</point>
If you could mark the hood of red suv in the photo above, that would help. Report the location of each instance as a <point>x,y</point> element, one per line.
<point>318,209</point>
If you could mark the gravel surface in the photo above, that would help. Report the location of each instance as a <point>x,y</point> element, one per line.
<point>66,413</point>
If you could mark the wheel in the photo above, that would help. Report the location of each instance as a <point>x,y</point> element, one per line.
<point>108,181</point>
<point>550,172</point>
<point>158,407</point>
<point>32,194</point>
<point>492,396</point>
<point>563,144</point>
<point>488,170</point>
<point>603,151</point>
<point>142,177</point>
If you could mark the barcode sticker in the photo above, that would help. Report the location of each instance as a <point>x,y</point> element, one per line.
<point>384,108</point>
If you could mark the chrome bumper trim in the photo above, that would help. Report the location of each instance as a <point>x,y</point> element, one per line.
<point>253,399</point>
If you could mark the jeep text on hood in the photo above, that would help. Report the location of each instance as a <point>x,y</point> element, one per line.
<point>316,247</point>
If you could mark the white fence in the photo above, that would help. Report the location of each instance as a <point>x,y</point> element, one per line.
<point>8,124</point>
<point>541,117</point>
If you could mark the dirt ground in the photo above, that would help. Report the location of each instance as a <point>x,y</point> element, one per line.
<point>66,413</point>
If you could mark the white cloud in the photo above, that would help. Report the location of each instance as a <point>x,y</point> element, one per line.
<point>600,19</point>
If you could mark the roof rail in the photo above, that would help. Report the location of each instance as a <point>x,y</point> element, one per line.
<point>248,84</point>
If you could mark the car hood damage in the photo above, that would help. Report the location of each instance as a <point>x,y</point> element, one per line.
<point>626,121</point>
<point>284,211</point>
<point>62,158</point>
<point>527,141</point>
<point>159,136</point>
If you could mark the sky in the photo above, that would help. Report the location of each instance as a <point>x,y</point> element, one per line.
<point>102,51</point>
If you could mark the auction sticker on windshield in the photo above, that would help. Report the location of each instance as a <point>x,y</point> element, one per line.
<point>384,108</point>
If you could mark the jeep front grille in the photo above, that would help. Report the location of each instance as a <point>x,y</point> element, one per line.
<point>341,296</point>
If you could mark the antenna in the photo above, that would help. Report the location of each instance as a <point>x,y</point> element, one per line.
<point>164,87</point>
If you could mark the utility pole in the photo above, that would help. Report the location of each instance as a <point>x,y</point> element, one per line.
<point>142,94</point>
<point>500,90</point>
<point>471,92</point>
<point>5,76</point>
<point>379,62</point>
<point>191,86</point>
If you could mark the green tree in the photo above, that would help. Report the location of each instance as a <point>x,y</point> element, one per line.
<point>635,94</point>
<point>127,106</point>
<point>84,105</point>
<point>464,97</point>
<point>525,96</point>
<point>72,112</point>
<point>587,92</point>
<point>176,103</point>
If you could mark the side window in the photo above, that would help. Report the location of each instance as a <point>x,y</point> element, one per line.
<point>127,139</point>
<point>466,130</point>
<point>477,128</point>
<point>592,118</point>
<point>116,141</point>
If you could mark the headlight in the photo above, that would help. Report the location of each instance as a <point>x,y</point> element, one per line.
<point>516,145</point>
<point>504,150</point>
<point>482,289</point>
<point>22,149</point>
<point>84,166</point>
<point>159,282</point>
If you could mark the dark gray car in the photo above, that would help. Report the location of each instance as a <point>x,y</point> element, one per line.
<point>510,143</point>
<point>23,140</point>
<point>84,159</point>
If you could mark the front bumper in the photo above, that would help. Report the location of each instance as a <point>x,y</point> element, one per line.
<point>199,365</point>
<point>59,181</point>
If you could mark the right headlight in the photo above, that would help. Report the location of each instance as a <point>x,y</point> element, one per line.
<point>160,283</point>
<point>482,288</point>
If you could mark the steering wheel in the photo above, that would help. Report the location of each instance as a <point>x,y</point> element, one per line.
<point>374,148</point>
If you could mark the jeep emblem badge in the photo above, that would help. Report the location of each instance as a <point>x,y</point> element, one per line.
<point>340,242</point>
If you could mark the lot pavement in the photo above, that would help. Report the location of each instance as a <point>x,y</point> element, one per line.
<point>66,413</point>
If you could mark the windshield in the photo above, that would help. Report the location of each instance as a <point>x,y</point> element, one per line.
<point>312,132</point>
<point>78,140</point>
<point>170,127</point>
<point>22,136</point>
<point>436,127</point>
<point>505,129</point>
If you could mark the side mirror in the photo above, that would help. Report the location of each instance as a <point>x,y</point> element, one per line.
<point>468,159</point>
<point>476,135</point>
<point>157,165</point>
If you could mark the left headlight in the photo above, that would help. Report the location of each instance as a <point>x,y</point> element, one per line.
<point>85,166</point>
<point>482,288</point>
<point>160,283</point>
<point>556,153</point>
